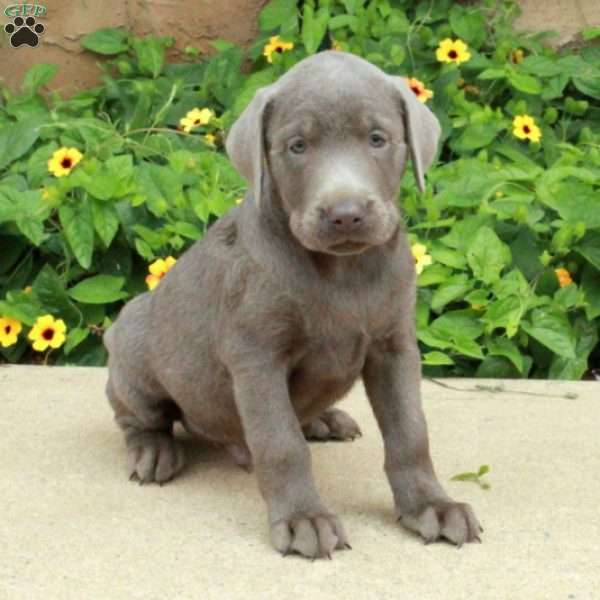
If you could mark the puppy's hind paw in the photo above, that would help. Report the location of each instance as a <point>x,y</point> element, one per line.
<point>333,424</point>
<point>154,457</point>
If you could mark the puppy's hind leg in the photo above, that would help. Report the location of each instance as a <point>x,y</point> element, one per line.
<point>153,455</point>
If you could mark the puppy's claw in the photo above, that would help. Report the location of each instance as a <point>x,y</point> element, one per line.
<point>347,545</point>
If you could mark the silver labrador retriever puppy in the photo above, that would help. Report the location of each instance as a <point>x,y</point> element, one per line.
<point>291,297</point>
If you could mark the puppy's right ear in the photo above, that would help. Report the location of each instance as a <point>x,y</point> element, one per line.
<point>245,142</point>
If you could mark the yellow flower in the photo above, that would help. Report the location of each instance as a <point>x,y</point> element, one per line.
<point>47,332</point>
<point>524,128</point>
<point>9,330</point>
<point>158,269</point>
<point>239,200</point>
<point>28,289</point>
<point>452,51</point>
<point>276,44</point>
<point>210,138</point>
<point>563,276</point>
<point>335,45</point>
<point>195,118</point>
<point>63,161</point>
<point>422,259</point>
<point>418,87</point>
<point>516,56</point>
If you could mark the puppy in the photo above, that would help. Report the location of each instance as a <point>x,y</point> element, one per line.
<point>292,296</point>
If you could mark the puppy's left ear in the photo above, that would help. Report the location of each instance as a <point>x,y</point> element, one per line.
<point>422,129</point>
<point>245,141</point>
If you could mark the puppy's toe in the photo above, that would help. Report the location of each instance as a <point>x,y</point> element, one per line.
<point>154,457</point>
<point>314,536</point>
<point>454,521</point>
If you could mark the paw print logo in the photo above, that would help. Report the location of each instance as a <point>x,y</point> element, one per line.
<point>24,31</point>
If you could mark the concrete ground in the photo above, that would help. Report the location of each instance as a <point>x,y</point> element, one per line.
<point>72,525</point>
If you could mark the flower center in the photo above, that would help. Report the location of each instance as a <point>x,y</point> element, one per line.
<point>66,163</point>
<point>197,121</point>
<point>48,334</point>
<point>526,129</point>
<point>279,49</point>
<point>7,329</point>
<point>416,90</point>
<point>453,54</point>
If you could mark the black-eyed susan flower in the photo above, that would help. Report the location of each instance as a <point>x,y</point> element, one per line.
<point>516,56</point>
<point>563,276</point>
<point>276,44</point>
<point>63,161</point>
<point>452,51</point>
<point>422,259</point>
<point>195,118</point>
<point>524,128</point>
<point>418,87</point>
<point>47,332</point>
<point>158,269</point>
<point>9,331</point>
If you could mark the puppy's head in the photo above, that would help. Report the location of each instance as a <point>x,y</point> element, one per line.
<point>334,135</point>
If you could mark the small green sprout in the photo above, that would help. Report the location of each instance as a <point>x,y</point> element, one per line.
<point>475,477</point>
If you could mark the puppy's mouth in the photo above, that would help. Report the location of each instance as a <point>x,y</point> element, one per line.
<point>347,247</point>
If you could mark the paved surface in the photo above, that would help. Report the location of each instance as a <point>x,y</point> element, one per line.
<point>72,525</point>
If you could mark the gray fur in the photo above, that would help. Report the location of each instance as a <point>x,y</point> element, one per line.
<point>291,297</point>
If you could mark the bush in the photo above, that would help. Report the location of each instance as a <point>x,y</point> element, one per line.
<point>508,229</point>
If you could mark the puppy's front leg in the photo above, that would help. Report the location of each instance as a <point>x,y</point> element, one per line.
<point>392,377</point>
<point>298,520</point>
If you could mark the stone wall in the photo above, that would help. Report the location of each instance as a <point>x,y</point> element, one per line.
<point>197,24</point>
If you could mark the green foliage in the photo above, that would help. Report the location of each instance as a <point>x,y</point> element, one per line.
<point>475,477</point>
<point>499,217</point>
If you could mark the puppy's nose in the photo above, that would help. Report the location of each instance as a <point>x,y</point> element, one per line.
<point>346,216</point>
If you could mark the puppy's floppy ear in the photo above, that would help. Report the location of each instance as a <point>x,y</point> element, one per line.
<point>422,129</point>
<point>245,141</point>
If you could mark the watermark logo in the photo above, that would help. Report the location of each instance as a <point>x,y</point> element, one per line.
<point>24,29</point>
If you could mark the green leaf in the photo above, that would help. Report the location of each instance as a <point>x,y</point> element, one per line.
<point>150,53</point>
<point>38,76</point>
<point>99,290</point>
<point>314,26</point>
<point>276,13</point>
<point>541,66</point>
<point>590,284</point>
<point>487,255</point>
<point>16,139</point>
<point>74,337</point>
<point>505,313</point>
<point>467,347</point>
<point>589,248</point>
<point>524,83</point>
<point>50,290</point>
<point>106,221</point>
<point>468,24</point>
<point>553,330</point>
<point>502,346</point>
<point>453,288</point>
<point>106,41</point>
<point>436,358</point>
<point>78,225</point>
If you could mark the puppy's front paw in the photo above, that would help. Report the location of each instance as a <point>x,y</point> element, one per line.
<point>311,535</point>
<point>154,456</point>
<point>454,521</point>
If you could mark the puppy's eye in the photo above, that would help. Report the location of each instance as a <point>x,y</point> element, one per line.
<point>376,139</point>
<point>298,147</point>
